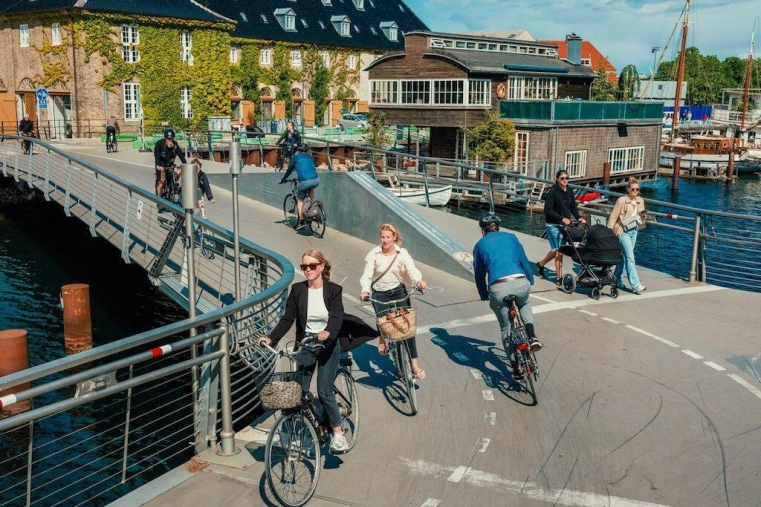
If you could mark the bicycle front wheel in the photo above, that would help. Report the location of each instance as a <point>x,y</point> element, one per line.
<point>291,211</point>
<point>292,460</point>
<point>318,223</point>
<point>528,365</point>
<point>348,404</point>
<point>408,375</point>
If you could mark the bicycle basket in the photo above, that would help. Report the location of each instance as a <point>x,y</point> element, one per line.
<point>399,324</point>
<point>282,392</point>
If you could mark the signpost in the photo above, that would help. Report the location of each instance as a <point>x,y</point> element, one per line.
<point>42,98</point>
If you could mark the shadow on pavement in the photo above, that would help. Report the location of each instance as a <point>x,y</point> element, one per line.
<point>381,374</point>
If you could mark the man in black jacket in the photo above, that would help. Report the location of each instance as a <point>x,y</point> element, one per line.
<point>559,206</point>
<point>26,128</point>
<point>164,153</point>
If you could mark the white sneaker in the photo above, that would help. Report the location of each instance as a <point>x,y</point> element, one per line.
<point>338,444</point>
<point>639,289</point>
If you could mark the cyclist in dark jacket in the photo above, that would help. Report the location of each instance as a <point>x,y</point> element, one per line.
<point>26,128</point>
<point>559,206</point>
<point>303,163</point>
<point>164,153</point>
<point>290,140</point>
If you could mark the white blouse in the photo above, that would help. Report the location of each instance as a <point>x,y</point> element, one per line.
<point>317,313</point>
<point>402,271</point>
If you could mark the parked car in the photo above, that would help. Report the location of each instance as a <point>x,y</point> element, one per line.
<point>351,121</point>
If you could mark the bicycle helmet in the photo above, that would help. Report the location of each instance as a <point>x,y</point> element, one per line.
<point>489,219</point>
<point>169,134</point>
<point>303,147</point>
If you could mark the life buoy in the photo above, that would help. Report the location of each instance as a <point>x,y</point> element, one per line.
<point>726,143</point>
<point>501,91</point>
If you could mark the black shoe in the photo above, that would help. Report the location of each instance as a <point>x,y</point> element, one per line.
<point>302,225</point>
<point>559,282</point>
<point>540,270</point>
<point>535,344</point>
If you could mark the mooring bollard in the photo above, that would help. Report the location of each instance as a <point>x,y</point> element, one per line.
<point>77,323</point>
<point>14,357</point>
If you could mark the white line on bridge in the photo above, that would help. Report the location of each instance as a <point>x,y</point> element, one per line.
<point>540,298</point>
<point>477,374</point>
<point>491,418</point>
<point>482,444</point>
<point>692,354</point>
<point>612,321</point>
<point>750,387</point>
<point>592,314</point>
<point>488,394</point>
<point>431,502</point>
<point>715,366</point>
<point>458,474</point>
<point>653,336</point>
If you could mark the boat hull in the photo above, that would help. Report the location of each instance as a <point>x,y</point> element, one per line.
<point>438,196</point>
<point>699,161</point>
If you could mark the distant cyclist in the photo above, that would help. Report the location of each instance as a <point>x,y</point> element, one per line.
<point>500,260</point>
<point>164,153</point>
<point>303,163</point>
<point>112,128</point>
<point>26,129</point>
<point>289,140</point>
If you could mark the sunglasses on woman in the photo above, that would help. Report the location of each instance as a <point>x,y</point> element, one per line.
<point>634,189</point>
<point>312,266</point>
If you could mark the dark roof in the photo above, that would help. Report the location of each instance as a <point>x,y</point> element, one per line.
<point>182,9</point>
<point>482,62</point>
<point>485,38</point>
<point>248,16</point>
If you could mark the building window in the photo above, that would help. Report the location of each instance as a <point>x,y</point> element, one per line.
<point>479,92</point>
<point>186,42</point>
<point>448,91</point>
<point>586,61</point>
<point>234,54</point>
<point>326,2</point>
<point>345,29</point>
<point>520,157</point>
<point>576,163</point>
<point>130,39</point>
<point>55,36</point>
<point>351,62</point>
<point>23,31</point>
<point>265,57</point>
<point>295,58</point>
<point>131,105</point>
<point>390,29</point>
<point>286,18</point>
<point>524,87</point>
<point>304,23</point>
<point>416,92</point>
<point>326,59</point>
<point>264,19</point>
<point>359,4</point>
<point>626,159</point>
<point>185,96</point>
<point>384,92</point>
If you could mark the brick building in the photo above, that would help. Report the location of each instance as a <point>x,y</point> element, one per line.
<point>449,81</point>
<point>589,56</point>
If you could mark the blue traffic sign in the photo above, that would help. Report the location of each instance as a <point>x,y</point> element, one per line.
<point>42,98</point>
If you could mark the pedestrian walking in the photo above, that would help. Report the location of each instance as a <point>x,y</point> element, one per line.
<point>626,219</point>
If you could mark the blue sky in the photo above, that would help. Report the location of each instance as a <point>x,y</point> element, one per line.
<point>622,30</point>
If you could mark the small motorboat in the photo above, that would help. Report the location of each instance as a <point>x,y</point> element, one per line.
<point>414,193</point>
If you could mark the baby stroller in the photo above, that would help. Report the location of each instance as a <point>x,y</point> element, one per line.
<point>595,250</point>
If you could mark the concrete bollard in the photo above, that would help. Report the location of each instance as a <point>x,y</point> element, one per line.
<point>14,357</point>
<point>77,324</point>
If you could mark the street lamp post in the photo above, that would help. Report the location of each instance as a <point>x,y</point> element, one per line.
<point>655,50</point>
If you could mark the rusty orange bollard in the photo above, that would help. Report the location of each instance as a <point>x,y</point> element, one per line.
<point>77,325</point>
<point>14,356</point>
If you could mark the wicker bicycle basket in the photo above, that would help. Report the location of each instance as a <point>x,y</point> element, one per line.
<point>399,324</point>
<point>282,392</point>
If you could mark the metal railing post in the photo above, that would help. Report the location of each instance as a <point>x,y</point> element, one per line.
<point>695,246</point>
<point>126,427</point>
<point>235,171</point>
<point>425,185</point>
<point>327,147</point>
<point>29,462</point>
<point>491,193</point>
<point>227,435</point>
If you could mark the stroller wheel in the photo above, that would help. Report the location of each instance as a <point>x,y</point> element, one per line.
<point>569,284</point>
<point>614,292</point>
<point>595,293</point>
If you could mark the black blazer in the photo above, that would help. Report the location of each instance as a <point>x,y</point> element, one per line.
<point>296,311</point>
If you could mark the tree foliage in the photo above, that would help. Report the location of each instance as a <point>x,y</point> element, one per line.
<point>628,82</point>
<point>319,91</point>
<point>492,140</point>
<point>602,89</point>
<point>375,134</point>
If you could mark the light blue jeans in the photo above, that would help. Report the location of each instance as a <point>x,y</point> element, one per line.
<point>628,240</point>
<point>498,292</point>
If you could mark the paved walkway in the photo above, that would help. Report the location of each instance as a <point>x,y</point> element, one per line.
<point>651,399</point>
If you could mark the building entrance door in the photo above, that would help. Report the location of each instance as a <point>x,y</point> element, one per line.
<point>8,118</point>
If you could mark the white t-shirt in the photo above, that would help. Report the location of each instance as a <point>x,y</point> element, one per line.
<point>317,313</point>
<point>403,270</point>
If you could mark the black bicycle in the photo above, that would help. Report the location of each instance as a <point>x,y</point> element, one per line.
<point>292,454</point>
<point>171,189</point>
<point>112,143</point>
<point>526,367</point>
<point>283,157</point>
<point>312,211</point>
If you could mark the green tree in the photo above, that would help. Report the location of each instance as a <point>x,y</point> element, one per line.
<point>628,82</point>
<point>376,135</point>
<point>320,90</point>
<point>602,89</point>
<point>492,140</point>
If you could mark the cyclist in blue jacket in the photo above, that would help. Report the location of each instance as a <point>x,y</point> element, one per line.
<point>303,164</point>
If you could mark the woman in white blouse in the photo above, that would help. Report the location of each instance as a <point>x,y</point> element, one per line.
<point>387,268</point>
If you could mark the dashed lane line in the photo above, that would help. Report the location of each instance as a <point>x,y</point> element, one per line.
<point>482,444</point>
<point>653,336</point>
<point>540,298</point>
<point>612,321</point>
<point>431,502</point>
<point>458,474</point>
<point>491,418</point>
<point>715,366</point>
<point>747,385</point>
<point>591,314</point>
<point>692,354</point>
<point>477,374</point>
<point>488,394</point>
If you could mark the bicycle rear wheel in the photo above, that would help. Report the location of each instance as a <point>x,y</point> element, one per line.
<point>407,374</point>
<point>318,223</point>
<point>529,374</point>
<point>292,460</point>
<point>291,211</point>
<point>348,404</point>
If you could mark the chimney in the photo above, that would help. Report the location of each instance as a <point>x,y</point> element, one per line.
<point>574,48</point>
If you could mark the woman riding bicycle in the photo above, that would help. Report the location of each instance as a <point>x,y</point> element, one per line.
<point>387,267</point>
<point>317,308</point>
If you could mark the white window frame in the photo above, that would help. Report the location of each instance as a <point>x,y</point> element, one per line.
<point>289,22</point>
<point>265,57</point>
<point>351,62</point>
<point>629,159</point>
<point>586,61</point>
<point>436,92</point>
<point>522,150</point>
<point>415,92</point>
<point>55,34</point>
<point>234,54</point>
<point>384,92</point>
<point>186,95</point>
<point>296,59</point>
<point>186,45</point>
<point>448,92</point>
<point>532,88</point>
<point>393,33</point>
<point>23,33</point>
<point>130,39</point>
<point>479,92</point>
<point>345,28</point>
<point>359,4</point>
<point>130,94</point>
<point>326,2</point>
<point>325,59</point>
<point>576,163</point>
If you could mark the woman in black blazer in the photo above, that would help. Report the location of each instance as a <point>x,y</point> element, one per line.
<point>316,306</point>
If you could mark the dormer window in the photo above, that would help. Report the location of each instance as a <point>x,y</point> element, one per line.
<point>322,25</point>
<point>326,2</point>
<point>286,18</point>
<point>359,4</point>
<point>342,24</point>
<point>391,30</point>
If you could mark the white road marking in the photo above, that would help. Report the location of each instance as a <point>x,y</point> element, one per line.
<point>452,324</point>
<point>482,444</point>
<point>540,298</point>
<point>715,366</point>
<point>491,418</point>
<point>612,321</point>
<point>458,474</point>
<point>750,387</point>
<point>592,314</point>
<point>651,335</point>
<point>692,354</point>
<point>530,490</point>
<point>476,374</point>
<point>488,394</point>
<point>431,502</point>
<point>352,298</point>
<point>460,356</point>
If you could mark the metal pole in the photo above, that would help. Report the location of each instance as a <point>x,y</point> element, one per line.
<point>126,427</point>
<point>695,245</point>
<point>227,435</point>
<point>425,185</point>
<point>189,183</point>
<point>235,171</point>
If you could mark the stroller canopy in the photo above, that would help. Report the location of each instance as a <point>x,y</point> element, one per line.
<point>602,246</point>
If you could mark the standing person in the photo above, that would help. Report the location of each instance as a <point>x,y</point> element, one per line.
<point>306,171</point>
<point>290,139</point>
<point>627,217</point>
<point>387,267</point>
<point>203,184</point>
<point>316,306</point>
<point>500,260</point>
<point>559,207</point>
<point>164,154</point>
<point>112,128</point>
<point>26,129</point>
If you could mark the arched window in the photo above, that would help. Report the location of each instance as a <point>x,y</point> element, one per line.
<point>236,91</point>
<point>2,84</point>
<point>296,93</point>
<point>266,92</point>
<point>26,84</point>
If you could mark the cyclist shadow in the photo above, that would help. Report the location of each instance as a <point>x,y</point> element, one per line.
<point>487,358</point>
<point>378,369</point>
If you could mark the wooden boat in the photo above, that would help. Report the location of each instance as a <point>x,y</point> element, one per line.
<point>703,152</point>
<point>414,193</point>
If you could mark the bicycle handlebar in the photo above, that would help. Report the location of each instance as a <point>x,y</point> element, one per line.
<point>415,291</point>
<point>284,353</point>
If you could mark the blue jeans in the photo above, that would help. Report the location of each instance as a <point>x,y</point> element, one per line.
<point>397,292</point>
<point>327,358</point>
<point>554,233</point>
<point>628,240</point>
<point>520,288</point>
<point>303,188</point>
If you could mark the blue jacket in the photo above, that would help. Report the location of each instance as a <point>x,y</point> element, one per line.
<point>304,165</point>
<point>499,254</point>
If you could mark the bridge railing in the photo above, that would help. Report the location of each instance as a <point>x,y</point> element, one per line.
<point>105,420</point>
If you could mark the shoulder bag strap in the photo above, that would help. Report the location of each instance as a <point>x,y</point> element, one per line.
<point>384,271</point>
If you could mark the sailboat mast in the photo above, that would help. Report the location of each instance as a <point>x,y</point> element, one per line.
<point>680,71</point>
<point>747,83</point>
